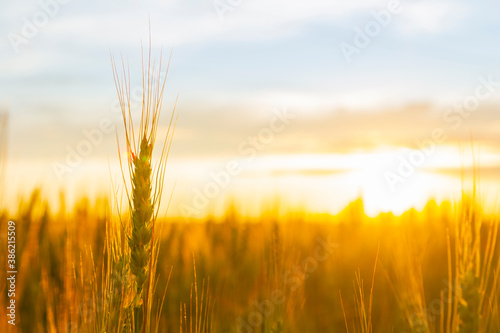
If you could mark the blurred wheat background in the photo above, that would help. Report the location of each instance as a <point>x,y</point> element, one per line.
<point>425,279</point>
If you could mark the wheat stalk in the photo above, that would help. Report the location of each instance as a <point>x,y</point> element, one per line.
<point>475,275</point>
<point>202,318</point>
<point>146,180</point>
<point>408,285</point>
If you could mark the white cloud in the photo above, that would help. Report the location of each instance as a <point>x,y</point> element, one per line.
<point>179,22</point>
<point>431,16</point>
<point>26,63</point>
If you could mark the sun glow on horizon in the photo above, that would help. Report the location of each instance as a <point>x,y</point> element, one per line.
<point>317,182</point>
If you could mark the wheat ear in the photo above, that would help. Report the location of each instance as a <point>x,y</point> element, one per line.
<point>146,180</point>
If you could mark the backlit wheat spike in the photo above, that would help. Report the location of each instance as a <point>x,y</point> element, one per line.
<point>473,273</point>
<point>146,179</point>
<point>142,215</point>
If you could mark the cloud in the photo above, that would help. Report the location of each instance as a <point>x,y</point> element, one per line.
<point>25,63</point>
<point>431,16</point>
<point>179,22</point>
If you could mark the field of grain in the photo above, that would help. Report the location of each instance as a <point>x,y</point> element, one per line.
<point>136,244</point>
<point>113,266</point>
<point>430,271</point>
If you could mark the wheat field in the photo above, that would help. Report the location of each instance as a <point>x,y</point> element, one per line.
<point>118,264</point>
<point>429,271</point>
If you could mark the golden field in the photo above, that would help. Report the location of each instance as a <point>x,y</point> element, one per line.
<point>435,270</point>
<point>113,266</point>
<point>307,167</point>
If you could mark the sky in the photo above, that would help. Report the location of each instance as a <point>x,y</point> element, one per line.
<point>314,102</point>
